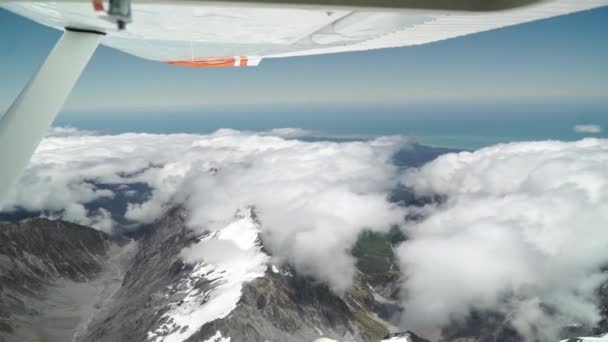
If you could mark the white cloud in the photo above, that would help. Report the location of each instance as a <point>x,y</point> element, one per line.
<point>66,131</point>
<point>290,132</point>
<point>523,230</point>
<point>313,199</point>
<point>591,129</point>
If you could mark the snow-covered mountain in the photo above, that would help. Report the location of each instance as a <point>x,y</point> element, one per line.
<point>172,284</point>
<point>221,285</point>
<point>192,306</point>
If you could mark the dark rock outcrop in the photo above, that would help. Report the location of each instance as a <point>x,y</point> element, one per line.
<point>36,255</point>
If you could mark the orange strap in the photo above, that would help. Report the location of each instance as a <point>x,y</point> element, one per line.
<point>214,62</point>
<point>97,5</point>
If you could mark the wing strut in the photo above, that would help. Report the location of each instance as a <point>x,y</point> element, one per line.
<point>30,116</point>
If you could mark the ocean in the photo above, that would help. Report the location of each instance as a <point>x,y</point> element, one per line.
<point>460,126</point>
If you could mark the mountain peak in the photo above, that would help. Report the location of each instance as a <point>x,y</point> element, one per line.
<point>223,261</point>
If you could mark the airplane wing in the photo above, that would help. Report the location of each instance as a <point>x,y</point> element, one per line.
<point>230,33</point>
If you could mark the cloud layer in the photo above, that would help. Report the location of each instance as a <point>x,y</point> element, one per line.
<point>523,231</point>
<point>313,198</point>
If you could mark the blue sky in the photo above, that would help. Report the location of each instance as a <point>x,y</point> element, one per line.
<point>504,84</point>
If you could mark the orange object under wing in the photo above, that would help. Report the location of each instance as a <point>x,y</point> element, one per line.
<point>219,62</point>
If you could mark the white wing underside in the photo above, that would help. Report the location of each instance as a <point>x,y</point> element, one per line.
<point>173,31</point>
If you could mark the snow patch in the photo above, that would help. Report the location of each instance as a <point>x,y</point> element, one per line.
<point>398,337</point>
<point>287,273</point>
<point>600,338</point>
<point>218,338</point>
<point>223,261</point>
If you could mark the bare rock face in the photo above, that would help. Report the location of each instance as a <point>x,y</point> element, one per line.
<point>40,249</point>
<point>140,300</point>
<point>47,272</point>
<point>285,307</point>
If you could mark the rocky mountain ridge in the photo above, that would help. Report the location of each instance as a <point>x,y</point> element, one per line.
<point>51,275</point>
<point>151,290</point>
<point>245,298</point>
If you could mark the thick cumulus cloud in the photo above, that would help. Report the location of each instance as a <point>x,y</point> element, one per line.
<point>523,230</point>
<point>313,199</point>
